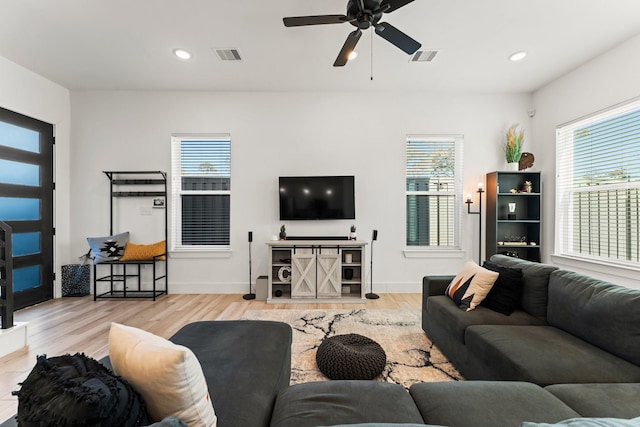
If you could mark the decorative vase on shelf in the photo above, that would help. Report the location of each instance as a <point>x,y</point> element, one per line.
<point>513,167</point>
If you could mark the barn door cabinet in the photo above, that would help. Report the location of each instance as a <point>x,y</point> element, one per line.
<point>315,269</point>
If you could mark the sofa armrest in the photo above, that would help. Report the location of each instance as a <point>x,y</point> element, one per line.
<point>435,285</point>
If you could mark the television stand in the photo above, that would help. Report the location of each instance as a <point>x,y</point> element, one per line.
<point>323,270</point>
<point>332,238</point>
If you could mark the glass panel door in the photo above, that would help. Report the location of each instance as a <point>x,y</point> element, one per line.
<point>26,203</point>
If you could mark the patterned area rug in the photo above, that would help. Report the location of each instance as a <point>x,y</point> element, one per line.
<point>411,357</point>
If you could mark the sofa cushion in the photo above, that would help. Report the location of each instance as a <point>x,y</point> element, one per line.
<point>456,321</point>
<point>487,403</point>
<point>535,278</point>
<point>601,313</point>
<point>169,422</point>
<point>77,390</point>
<point>471,285</point>
<point>245,362</point>
<point>588,422</point>
<point>545,355</point>
<point>343,402</point>
<point>600,400</point>
<point>382,425</point>
<point>168,376</point>
<point>506,293</point>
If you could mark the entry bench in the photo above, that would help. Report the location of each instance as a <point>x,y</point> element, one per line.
<point>120,281</point>
<point>125,277</point>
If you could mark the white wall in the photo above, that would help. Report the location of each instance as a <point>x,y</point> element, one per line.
<point>276,134</point>
<point>27,93</point>
<point>605,81</point>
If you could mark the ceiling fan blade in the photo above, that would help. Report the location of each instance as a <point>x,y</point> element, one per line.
<point>397,38</point>
<point>298,21</point>
<point>393,4</point>
<point>347,48</point>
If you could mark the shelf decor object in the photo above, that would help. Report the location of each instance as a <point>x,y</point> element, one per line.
<point>514,206</point>
<point>479,213</point>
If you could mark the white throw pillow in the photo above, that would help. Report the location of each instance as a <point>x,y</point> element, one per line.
<point>471,285</point>
<point>168,376</point>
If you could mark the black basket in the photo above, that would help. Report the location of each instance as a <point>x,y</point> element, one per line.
<point>75,280</point>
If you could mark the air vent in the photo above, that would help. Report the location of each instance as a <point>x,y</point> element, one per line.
<point>228,54</point>
<point>424,56</point>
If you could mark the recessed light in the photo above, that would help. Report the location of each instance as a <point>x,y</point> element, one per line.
<point>352,55</point>
<point>182,54</point>
<point>518,56</point>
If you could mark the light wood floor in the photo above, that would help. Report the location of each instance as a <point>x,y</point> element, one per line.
<point>70,325</point>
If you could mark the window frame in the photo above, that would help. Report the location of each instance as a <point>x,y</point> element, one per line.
<point>456,247</point>
<point>565,232</point>
<point>175,246</point>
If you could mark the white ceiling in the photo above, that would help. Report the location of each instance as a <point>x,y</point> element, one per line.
<point>127,44</point>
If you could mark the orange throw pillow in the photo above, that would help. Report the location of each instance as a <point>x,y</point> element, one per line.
<point>133,252</point>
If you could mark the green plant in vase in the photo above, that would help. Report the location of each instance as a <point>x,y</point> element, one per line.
<point>513,145</point>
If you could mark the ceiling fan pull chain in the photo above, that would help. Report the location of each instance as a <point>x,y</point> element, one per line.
<point>371,37</point>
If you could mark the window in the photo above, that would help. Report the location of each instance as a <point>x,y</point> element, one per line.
<point>598,186</point>
<point>433,189</point>
<point>200,192</point>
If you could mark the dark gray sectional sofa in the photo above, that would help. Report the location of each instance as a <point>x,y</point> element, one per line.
<point>570,351</point>
<point>569,328</point>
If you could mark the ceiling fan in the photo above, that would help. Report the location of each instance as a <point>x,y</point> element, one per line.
<point>362,14</point>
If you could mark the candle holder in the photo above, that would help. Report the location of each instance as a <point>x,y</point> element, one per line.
<point>479,213</point>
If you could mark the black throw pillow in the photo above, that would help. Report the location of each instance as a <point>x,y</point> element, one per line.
<point>506,292</point>
<point>76,390</point>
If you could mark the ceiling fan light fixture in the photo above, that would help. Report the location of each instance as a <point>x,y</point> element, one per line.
<point>353,55</point>
<point>362,14</point>
<point>517,56</point>
<point>182,54</point>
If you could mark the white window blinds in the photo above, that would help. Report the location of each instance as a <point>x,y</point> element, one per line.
<point>598,186</point>
<point>433,190</point>
<point>200,192</point>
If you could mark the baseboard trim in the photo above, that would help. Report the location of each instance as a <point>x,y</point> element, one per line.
<point>243,288</point>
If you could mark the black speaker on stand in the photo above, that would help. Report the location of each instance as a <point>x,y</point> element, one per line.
<point>371,295</point>
<point>249,296</point>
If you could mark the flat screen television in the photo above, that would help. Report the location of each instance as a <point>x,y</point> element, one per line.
<point>317,197</point>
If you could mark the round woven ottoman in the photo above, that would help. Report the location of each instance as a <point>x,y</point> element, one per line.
<point>350,357</point>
